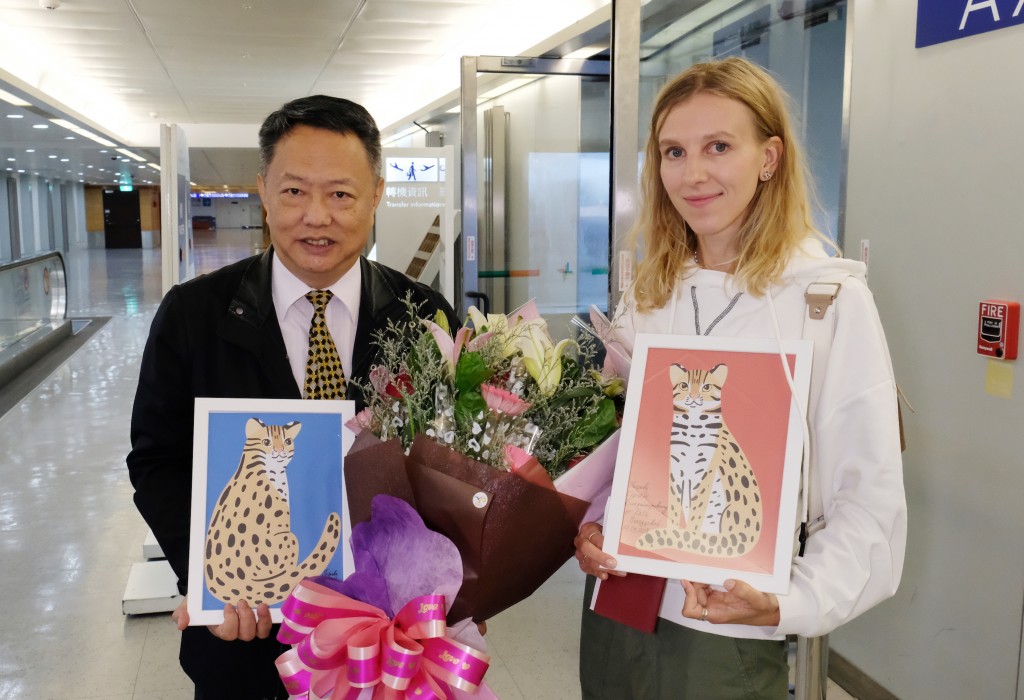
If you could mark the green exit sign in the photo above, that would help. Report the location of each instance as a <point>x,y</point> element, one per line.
<point>126,188</point>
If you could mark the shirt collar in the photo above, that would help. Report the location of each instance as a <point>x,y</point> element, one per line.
<point>288,289</point>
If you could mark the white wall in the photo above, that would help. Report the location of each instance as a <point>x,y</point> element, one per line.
<point>231,213</point>
<point>935,182</point>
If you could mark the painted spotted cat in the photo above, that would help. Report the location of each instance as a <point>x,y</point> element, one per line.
<point>712,488</point>
<point>251,552</point>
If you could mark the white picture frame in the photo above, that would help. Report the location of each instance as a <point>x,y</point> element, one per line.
<point>314,489</point>
<point>766,422</point>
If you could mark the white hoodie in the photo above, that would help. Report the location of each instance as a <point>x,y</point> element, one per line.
<point>856,559</point>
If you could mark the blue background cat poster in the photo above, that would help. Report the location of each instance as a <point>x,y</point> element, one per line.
<point>708,468</point>
<point>268,489</point>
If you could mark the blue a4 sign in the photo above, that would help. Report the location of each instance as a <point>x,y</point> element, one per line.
<point>946,20</point>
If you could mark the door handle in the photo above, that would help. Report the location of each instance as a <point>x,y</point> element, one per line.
<point>485,301</point>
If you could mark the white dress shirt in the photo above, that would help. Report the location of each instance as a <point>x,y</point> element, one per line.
<point>295,312</point>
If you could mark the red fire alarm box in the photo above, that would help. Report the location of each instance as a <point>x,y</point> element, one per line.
<point>998,326</point>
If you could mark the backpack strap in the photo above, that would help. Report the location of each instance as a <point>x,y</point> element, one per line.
<point>819,326</point>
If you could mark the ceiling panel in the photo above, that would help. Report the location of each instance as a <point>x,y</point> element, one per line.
<point>145,62</point>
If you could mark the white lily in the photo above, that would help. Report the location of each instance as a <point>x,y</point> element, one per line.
<point>507,329</point>
<point>541,357</point>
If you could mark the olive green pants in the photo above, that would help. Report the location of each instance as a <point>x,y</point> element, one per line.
<point>618,662</point>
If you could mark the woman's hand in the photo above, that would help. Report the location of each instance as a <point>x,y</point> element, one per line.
<point>239,621</point>
<point>739,604</point>
<point>588,552</point>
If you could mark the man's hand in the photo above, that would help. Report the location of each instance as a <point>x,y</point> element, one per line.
<point>239,622</point>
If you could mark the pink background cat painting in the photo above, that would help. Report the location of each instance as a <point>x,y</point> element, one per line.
<point>709,471</point>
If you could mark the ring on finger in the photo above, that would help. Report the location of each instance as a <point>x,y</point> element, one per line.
<point>704,615</point>
<point>590,539</point>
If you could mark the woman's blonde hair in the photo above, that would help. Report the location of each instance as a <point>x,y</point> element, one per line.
<point>779,217</point>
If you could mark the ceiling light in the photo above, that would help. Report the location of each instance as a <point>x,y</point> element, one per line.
<point>11,160</point>
<point>103,150</point>
<point>126,160</point>
<point>74,128</point>
<point>131,155</point>
<point>64,160</point>
<point>69,138</point>
<point>40,126</point>
<point>30,150</point>
<point>15,116</point>
<point>153,165</point>
<point>13,99</point>
<point>51,156</point>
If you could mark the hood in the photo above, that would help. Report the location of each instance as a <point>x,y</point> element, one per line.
<point>811,262</point>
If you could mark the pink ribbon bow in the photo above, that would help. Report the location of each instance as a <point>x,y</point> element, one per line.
<point>343,646</point>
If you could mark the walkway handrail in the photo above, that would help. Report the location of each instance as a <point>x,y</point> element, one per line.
<point>52,281</point>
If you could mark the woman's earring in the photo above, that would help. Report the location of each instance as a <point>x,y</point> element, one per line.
<point>766,175</point>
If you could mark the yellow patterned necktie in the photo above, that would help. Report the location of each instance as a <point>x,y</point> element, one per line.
<point>325,377</point>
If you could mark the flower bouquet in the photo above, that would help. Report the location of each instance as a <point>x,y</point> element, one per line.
<point>499,438</point>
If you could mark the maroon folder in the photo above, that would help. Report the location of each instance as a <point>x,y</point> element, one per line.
<point>632,600</point>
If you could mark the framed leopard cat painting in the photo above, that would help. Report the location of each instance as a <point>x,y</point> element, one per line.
<point>709,464</point>
<point>267,501</point>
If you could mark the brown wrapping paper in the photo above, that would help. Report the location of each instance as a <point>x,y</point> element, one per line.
<point>512,534</point>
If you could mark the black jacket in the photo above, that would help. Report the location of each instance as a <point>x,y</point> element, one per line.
<point>218,336</point>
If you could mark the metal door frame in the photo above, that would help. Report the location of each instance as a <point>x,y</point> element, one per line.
<point>472,66</point>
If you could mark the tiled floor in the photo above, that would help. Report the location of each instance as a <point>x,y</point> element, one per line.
<point>69,531</point>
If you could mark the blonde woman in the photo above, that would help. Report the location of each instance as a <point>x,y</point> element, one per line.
<point>727,247</point>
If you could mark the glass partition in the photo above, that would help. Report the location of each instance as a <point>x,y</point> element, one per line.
<point>32,295</point>
<point>802,44</point>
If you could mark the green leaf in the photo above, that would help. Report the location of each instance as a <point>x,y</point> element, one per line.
<point>580,392</point>
<point>596,426</point>
<point>471,371</point>
<point>570,369</point>
<point>467,407</point>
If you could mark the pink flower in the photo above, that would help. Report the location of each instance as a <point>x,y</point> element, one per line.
<point>501,401</point>
<point>450,347</point>
<point>617,358</point>
<point>525,313</point>
<point>516,457</point>
<point>360,422</point>
<point>380,378</point>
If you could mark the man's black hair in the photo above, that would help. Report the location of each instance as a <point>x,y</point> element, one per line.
<point>323,112</point>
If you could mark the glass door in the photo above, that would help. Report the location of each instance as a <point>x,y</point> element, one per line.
<point>536,186</point>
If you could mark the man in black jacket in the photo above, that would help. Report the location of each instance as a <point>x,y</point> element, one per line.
<point>243,332</point>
